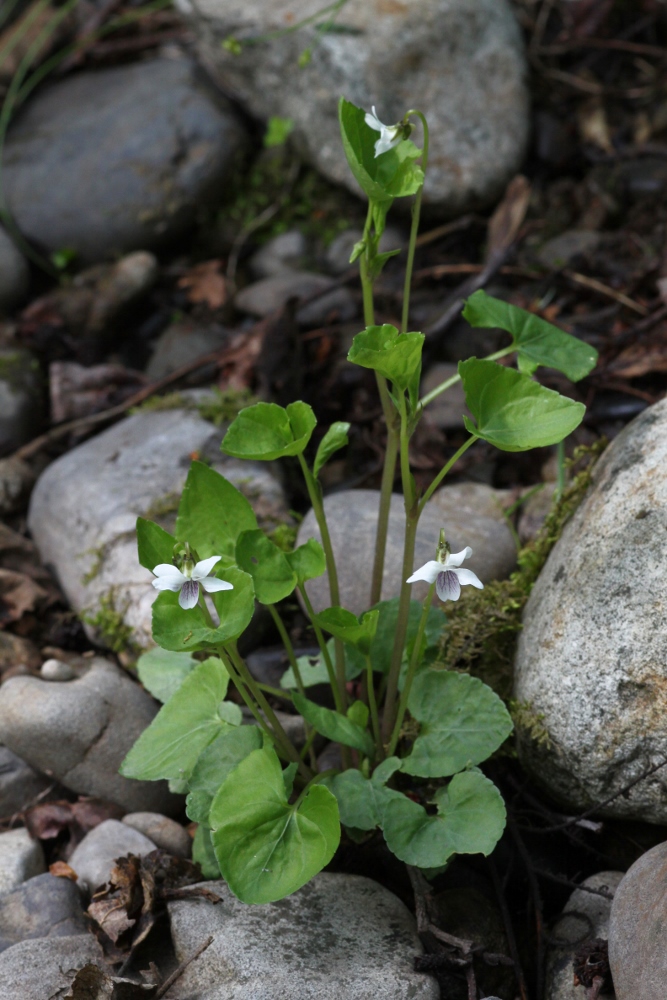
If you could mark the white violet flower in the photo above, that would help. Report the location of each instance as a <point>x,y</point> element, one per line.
<point>446,572</point>
<point>390,135</point>
<point>169,577</point>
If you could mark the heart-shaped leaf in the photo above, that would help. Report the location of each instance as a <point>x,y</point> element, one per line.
<point>396,356</point>
<point>155,545</point>
<point>537,342</point>
<point>212,513</point>
<point>513,412</point>
<point>187,630</point>
<point>266,431</point>
<point>271,572</point>
<point>267,848</point>
<point>362,801</point>
<point>219,759</point>
<point>344,625</point>
<point>162,672</point>
<point>462,722</point>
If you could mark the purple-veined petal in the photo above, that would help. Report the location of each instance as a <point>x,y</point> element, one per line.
<point>204,567</point>
<point>467,577</point>
<point>189,594</point>
<point>428,572</point>
<point>166,583</point>
<point>447,586</point>
<point>211,584</point>
<point>456,558</point>
<point>167,571</point>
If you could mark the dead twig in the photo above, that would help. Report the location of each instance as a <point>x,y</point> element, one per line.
<point>177,973</point>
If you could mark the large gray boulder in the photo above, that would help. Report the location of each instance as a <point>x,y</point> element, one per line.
<point>118,159</point>
<point>592,655</point>
<point>42,907</point>
<point>41,968</point>
<point>470,513</point>
<point>84,508</point>
<point>459,61</point>
<point>638,929</point>
<point>340,936</point>
<point>79,731</point>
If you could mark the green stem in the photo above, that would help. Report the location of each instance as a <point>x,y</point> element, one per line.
<point>401,627</point>
<point>315,494</point>
<point>449,382</point>
<point>372,704</point>
<point>412,668</point>
<point>321,641</point>
<point>289,649</point>
<point>561,481</point>
<point>443,472</point>
<point>386,490</point>
<point>240,687</point>
<point>416,211</point>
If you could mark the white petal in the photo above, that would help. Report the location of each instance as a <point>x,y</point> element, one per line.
<point>211,585</point>
<point>373,121</point>
<point>456,558</point>
<point>169,572</point>
<point>189,594</point>
<point>165,584</point>
<point>448,587</point>
<point>204,567</point>
<point>466,576</point>
<point>386,141</point>
<point>427,572</point>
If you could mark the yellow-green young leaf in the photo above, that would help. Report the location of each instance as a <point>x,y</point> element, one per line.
<point>393,174</point>
<point>155,545</point>
<point>267,848</point>
<point>187,630</point>
<point>183,728</point>
<point>219,759</point>
<point>344,625</point>
<point>266,431</point>
<point>308,561</point>
<point>471,819</point>
<point>396,356</point>
<point>537,342</point>
<point>162,672</point>
<point>334,439</point>
<point>334,726</point>
<point>212,513</point>
<point>462,722</point>
<point>511,411</point>
<point>272,575</point>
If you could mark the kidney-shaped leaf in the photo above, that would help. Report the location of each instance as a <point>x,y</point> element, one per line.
<point>186,629</point>
<point>513,412</point>
<point>267,848</point>
<point>183,728</point>
<point>266,431</point>
<point>462,722</point>
<point>470,820</point>
<point>212,513</point>
<point>396,356</point>
<point>271,572</point>
<point>361,801</point>
<point>538,342</point>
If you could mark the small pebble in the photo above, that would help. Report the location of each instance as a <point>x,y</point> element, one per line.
<point>56,670</point>
<point>165,833</point>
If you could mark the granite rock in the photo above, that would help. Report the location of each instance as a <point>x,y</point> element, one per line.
<point>79,731</point>
<point>20,784</point>
<point>42,907</point>
<point>637,942</point>
<point>41,967</point>
<point>180,344</point>
<point>464,58</point>
<point>592,654</point>
<point>340,935</point>
<point>165,833</point>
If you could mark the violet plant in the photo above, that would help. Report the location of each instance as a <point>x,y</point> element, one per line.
<point>268,818</point>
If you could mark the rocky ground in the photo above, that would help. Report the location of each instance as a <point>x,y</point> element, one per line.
<point>164,259</point>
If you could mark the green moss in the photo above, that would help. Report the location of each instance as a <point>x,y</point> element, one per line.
<point>529,723</point>
<point>284,536</point>
<point>224,405</point>
<point>109,623</point>
<point>98,555</point>
<point>483,625</point>
<point>170,401</point>
<point>163,506</point>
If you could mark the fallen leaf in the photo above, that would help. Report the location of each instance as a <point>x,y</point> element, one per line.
<point>206,283</point>
<point>508,217</point>
<point>18,594</point>
<point>47,820</point>
<point>60,869</point>
<point>92,983</point>
<point>77,391</point>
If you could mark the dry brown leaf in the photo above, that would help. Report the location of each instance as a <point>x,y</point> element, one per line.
<point>93,983</point>
<point>639,359</point>
<point>77,391</point>
<point>47,820</point>
<point>206,283</point>
<point>508,217</point>
<point>60,869</point>
<point>593,125</point>
<point>18,594</point>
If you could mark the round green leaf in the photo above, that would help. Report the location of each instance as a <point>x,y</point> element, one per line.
<point>361,801</point>
<point>513,412</point>
<point>267,848</point>
<point>462,722</point>
<point>393,174</point>
<point>266,431</point>
<point>272,575</point>
<point>396,356</point>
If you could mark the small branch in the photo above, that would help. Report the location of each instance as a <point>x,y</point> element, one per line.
<point>177,973</point>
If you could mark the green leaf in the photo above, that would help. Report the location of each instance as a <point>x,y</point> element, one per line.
<point>267,848</point>
<point>383,643</point>
<point>393,174</point>
<point>397,356</point>
<point>203,853</point>
<point>344,625</point>
<point>313,668</point>
<point>186,630</point>
<point>538,342</point>
<point>212,513</point>
<point>266,431</point>
<point>272,575</point>
<point>513,412</point>
<point>462,722</point>
<point>334,439</point>
<point>361,800</point>
<point>358,713</point>
<point>470,820</point>
<point>183,728</point>
<point>219,759</point>
<point>308,561</point>
<point>162,672</point>
<point>155,545</point>
<point>334,726</point>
